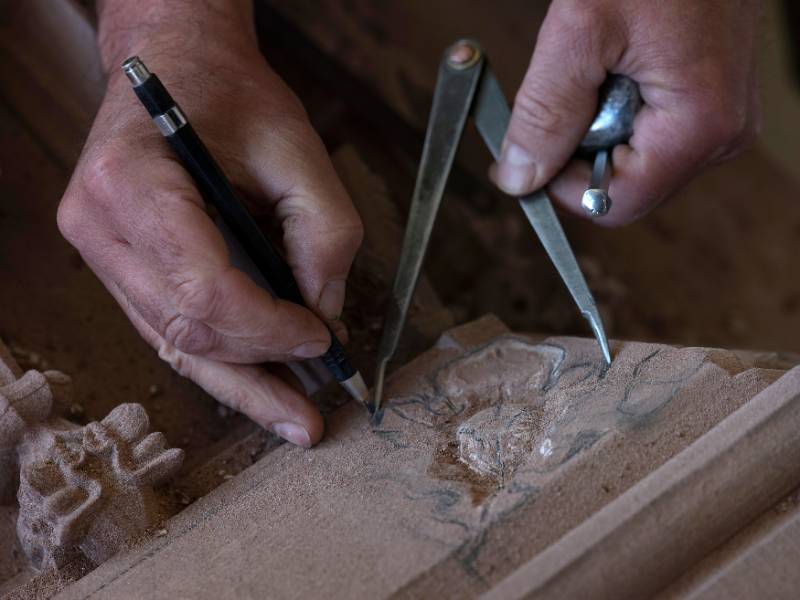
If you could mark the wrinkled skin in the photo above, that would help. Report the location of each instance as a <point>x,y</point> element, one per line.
<point>139,222</point>
<point>695,64</point>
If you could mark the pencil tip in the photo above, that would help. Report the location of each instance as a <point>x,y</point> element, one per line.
<point>606,351</point>
<point>593,316</point>
<point>356,387</point>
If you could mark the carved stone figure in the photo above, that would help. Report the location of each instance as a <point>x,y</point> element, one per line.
<point>80,489</point>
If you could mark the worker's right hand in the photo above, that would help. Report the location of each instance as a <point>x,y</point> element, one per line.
<point>138,221</point>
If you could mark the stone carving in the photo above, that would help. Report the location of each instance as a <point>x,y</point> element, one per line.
<point>493,441</point>
<point>24,403</point>
<point>491,447</point>
<point>80,489</point>
<point>512,401</point>
<point>510,416</point>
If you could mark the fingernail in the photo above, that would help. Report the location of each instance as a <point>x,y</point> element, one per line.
<point>309,349</point>
<point>516,170</point>
<point>331,299</point>
<point>292,433</point>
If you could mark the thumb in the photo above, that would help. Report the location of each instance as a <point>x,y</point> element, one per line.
<point>265,393</point>
<point>558,97</point>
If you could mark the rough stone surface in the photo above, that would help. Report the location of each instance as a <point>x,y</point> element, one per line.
<point>91,488</point>
<point>24,403</point>
<point>81,490</point>
<point>414,518</point>
<point>662,527</point>
<point>495,440</point>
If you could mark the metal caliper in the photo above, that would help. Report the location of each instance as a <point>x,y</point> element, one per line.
<point>466,86</point>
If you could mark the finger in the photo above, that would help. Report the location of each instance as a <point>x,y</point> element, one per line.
<point>270,398</point>
<point>322,230</point>
<point>223,315</point>
<point>558,97</point>
<point>673,140</point>
<point>172,264</point>
<point>340,331</point>
<point>254,391</point>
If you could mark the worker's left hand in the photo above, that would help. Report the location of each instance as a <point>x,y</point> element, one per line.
<point>695,64</point>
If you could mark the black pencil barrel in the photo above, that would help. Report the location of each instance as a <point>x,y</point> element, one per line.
<point>218,191</point>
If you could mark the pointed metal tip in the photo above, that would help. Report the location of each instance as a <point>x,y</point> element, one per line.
<point>593,316</point>
<point>377,389</point>
<point>606,351</point>
<point>357,388</point>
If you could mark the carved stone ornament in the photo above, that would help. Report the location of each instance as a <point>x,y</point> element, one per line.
<point>80,489</point>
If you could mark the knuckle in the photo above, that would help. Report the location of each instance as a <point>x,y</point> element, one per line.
<point>578,36</point>
<point>580,26</point>
<point>340,240</point>
<point>94,187</point>
<point>576,13</point>
<point>166,209</point>
<point>282,101</point>
<point>101,175</point>
<point>751,132</point>
<point>70,220</point>
<point>188,335</point>
<point>196,298</point>
<point>755,124</point>
<point>292,225</point>
<point>175,359</point>
<point>729,127</point>
<point>740,132</point>
<point>536,114</point>
<point>723,128</point>
<point>353,237</point>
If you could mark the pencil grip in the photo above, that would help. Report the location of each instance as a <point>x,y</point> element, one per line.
<point>216,190</point>
<point>337,361</point>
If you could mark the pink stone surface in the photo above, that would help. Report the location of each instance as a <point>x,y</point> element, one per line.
<point>490,448</point>
<point>494,441</point>
<point>90,488</point>
<point>81,490</point>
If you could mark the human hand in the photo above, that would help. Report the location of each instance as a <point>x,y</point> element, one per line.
<point>695,66</point>
<point>138,221</point>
